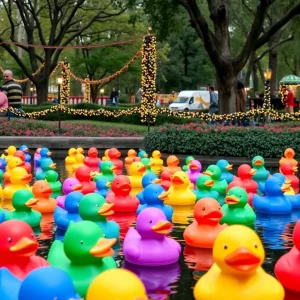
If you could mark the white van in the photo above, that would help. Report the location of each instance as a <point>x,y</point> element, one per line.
<point>191,100</point>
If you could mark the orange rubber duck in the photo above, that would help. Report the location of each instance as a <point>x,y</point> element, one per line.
<point>205,228</point>
<point>42,191</point>
<point>172,164</point>
<point>289,154</point>
<point>131,157</point>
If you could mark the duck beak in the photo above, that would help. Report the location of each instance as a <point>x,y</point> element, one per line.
<point>229,167</point>
<point>103,248</point>
<point>285,187</point>
<point>47,191</point>
<point>119,154</point>
<point>106,210</point>
<point>6,150</point>
<point>27,178</point>
<point>252,172</point>
<point>49,153</point>
<point>162,227</point>
<point>232,199</point>
<point>243,260</point>
<point>215,215</point>
<point>113,168</point>
<point>258,163</point>
<point>163,196</point>
<point>150,164</point>
<point>77,187</point>
<point>31,202</point>
<point>209,183</point>
<point>157,181</point>
<point>25,150</point>
<point>53,166</point>
<point>295,169</point>
<point>108,184</point>
<point>142,169</point>
<point>193,166</point>
<point>21,164</point>
<point>177,180</point>
<point>207,173</point>
<point>25,247</point>
<point>146,155</point>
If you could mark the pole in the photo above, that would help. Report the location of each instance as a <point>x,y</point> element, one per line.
<point>30,97</point>
<point>59,120</point>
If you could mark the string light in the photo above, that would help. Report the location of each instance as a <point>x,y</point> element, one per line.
<point>65,87</point>
<point>87,91</point>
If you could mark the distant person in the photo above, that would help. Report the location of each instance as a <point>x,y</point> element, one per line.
<point>138,96</point>
<point>214,102</point>
<point>13,92</point>
<point>3,102</point>
<point>241,97</point>
<point>157,100</point>
<point>290,101</point>
<point>114,97</point>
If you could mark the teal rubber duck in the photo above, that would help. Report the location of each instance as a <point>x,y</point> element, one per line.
<point>23,201</point>
<point>204,184</point>
<point>84,254</point>
<point>237,210</point>
<point>262,174</point>
<point>93,207</point>
<point>46,165</point>
<point>1,176</point>
<point>187,161</point>
<point>107,169</point>
<point>147,163</point>
<point>55,184</point>
<point>219,186</point>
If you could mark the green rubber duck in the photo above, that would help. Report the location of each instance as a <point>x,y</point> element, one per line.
<point>147,163</point>
<point>187,161</point>
<point>55,184</point>
<point>237,210</point>
<point>262,174</point>
<point>1,176</point>
<point>23,201</point>
<point>219,186</point>
<point>107,169</point>
<point>204,184</point>
<point>84,254</point>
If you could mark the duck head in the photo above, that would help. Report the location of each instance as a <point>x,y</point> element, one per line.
<point>208,211</point>
<point>245,172</point>
<point>204,182</point>
<point>45,152</point>
<point>238,251</point>
<point>129,286</point>
<point>224,165</point>
<point>23,200</point>
<point>180,180</point>
<point>166,175</point>
<point>47,164</point>
<point>18,242</point>
<point>195,166</point>
<point>154,194</point>
<point>24,148</point>
<point>287,168</point>
<point>85,243</point>
<point>214,172</point>
<point>114,153</point>
<point>277,185</point>
<point>156,154</point>
<point>93,207</point>
<point>72,152</point>
<point>92,152</point>
<point>258,162</point>
<point>20,176</point>
<point>137,169</point>
<point>146,162</point>
<point>131,153</point>
<point>79,158</point>
<point>41,189</point>
<point>80,150</point>
<point>107,167</point>
<point>289,153</point>
<point>236,197</point>
<point>296,235</point>
<point>172,161</point>
<point>71,185</point>
<point>72,202</point>
<point>189,159</point>
<point>10,150</point>
<point>102,184</point>
<point>83,174</point>
<point>15,162</point>
<point>20,154</point>
<point>121,185</point>
<point>152,223</point>
<point>51,176</point>
<point>142,154</point>
<point>149,178</point>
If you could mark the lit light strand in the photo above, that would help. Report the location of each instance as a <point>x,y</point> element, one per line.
<point>65,87</point>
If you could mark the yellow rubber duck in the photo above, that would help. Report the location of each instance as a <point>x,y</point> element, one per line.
<point>19,179</point>
<point>79,161</point>
<point>80,150</point>
<point>117,284</point>
<point>180,192</point>
<point>105,157</point>
<point>12,163</point>
<point>156,162</point>
<point>237,274</point>
<point>71,158</point>
<point>11,150</point>
<point>172,164</point>
<point>136,171</point>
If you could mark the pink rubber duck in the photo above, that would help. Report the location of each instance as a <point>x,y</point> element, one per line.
<point>289,170</point>
<point>83,174</point>
<point>92,160</point>
<point>114,154</point>
<point>194,171</point>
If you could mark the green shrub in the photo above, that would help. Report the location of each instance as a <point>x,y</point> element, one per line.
<point>200,139</point>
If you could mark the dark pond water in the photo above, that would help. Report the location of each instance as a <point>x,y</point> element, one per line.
<point>177,281</point>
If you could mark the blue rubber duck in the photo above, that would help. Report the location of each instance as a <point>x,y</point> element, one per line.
<point>44,153</point>
<point>3,164</point>
<point>2,218</point>
<point>225,167</point>
<point>274,202</point>
<point>9,285</point>
<point>261,185</point>
<point>103,187</point>
<point>146,180</point>
<point>93,207</point>
<point>46,165</point>
<point>25,149</point>
<point>262,174</point>
<point>62,217</point>
<point>154,194</point>
<point>204,184</point>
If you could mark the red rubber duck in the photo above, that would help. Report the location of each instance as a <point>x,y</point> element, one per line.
<point>244,180</point>
<point>114,155</point>
<point>289,170</point>
<point>92,160</point>
<point>287,267</point>
<point>21,155</point>
<point>120,195</point>
<point>84,175</point>
<point>205,228</point>
<point>42,191</point>
<point>18,246</point>
<point>165,177</point>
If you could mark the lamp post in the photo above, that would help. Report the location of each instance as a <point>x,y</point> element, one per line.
<point>267,92</point>
<point>102,93</point>
<point>59,81</point>
<point>31,92</point>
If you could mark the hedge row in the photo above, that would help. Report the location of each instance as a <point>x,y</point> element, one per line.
<point>198,139</point>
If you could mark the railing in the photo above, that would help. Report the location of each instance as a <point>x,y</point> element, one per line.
<point>72,100</point>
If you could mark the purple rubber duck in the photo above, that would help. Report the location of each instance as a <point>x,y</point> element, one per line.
<point>194,171</point>
<point>70,185</point>
<point>148,244</point>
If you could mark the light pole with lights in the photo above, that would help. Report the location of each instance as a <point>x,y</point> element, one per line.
<point>102,93</point>
<point>31,92</point>
<point>267,93</point>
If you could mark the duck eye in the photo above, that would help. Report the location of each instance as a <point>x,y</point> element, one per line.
<point>255,245</point>
<point>240,196</point>
<point>225,247</point>
<point>150,221</point>
<point>203,208</point>
<point>9,239</point>
<point>81,242</point>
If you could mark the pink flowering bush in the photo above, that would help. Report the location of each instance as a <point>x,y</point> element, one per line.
<point>194,138</point>
<point>23,127</point>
